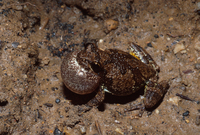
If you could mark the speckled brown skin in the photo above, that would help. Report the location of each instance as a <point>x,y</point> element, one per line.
<point>113,71</point>
<point>123,73</point>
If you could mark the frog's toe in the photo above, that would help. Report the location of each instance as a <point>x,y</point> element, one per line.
<point>134,107</point>
<point>139,107</point>
<point>84,108</point>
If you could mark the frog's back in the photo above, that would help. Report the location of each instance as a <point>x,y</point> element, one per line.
<point>125,74</point>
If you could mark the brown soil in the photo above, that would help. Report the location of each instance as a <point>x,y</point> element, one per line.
<point>36,35</point>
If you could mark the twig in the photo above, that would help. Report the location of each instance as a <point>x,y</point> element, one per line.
<point>174,36</point>
<point>98,127</point>
<point>186,98</point>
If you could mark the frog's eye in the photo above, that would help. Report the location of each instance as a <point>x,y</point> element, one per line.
<point>96,67</point>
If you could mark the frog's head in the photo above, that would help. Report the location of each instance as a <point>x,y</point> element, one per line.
<point>90,53</point>
<point>90,57</point>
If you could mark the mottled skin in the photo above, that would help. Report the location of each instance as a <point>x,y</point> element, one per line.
<point>114,71</point>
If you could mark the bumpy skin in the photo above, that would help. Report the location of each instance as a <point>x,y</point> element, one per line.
<point>123,73</point>
<point>113,71</point>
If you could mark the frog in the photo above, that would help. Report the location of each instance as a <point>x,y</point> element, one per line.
<point>114,71</point>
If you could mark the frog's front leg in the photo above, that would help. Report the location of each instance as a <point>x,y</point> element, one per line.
<point>98,99</point>
<point>94,102</point>
<point>141,54</point>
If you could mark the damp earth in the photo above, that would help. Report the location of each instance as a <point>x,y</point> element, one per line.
<point>36,35</point>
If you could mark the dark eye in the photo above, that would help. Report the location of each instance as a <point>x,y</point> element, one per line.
<point>96,67</point>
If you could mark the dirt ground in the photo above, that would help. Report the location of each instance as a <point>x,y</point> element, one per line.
<point>35,35</point>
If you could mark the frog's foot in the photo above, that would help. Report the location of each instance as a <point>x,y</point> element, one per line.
<point>93,103</point>
<point>139,107</point>
<point>141,54</point>
<point>98,99</point>
<point>83,108</point>
<point>154,92</point>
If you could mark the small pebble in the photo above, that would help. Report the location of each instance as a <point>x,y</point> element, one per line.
<point>48,104</point>
<point>57,132</point>
<point>179,48</point>
<point>173,43</point>
<point>54,88</point>
<point>186,113</point>
<point>149,45</point>
<point>118,130</point>
<point>57,100</point>
<point>197,122</point>
<point>118,122</point>
<point>83,130</point>
<point>101,41</point>
<point>15,44</point>
<point>174,100</point>
<point>22,46</point>
<point>111,24</point>
<point>197,66</point>
<point>187,121</point>
<point>156,36</point>
<point>162,58</point>
<point>183,88</point>
<point>157,111</point>
<point>197,46</point>
<point>178,80</point>
<point>45,61</point>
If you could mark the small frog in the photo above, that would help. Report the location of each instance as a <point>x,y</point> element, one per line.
<point>114,71</point>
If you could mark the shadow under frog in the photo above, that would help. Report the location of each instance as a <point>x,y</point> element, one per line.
<point>116,72</point>
<point>77,99</point>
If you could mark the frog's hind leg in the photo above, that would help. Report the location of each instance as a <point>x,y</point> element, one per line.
<point>154,92</point>
<point>141,54</point>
